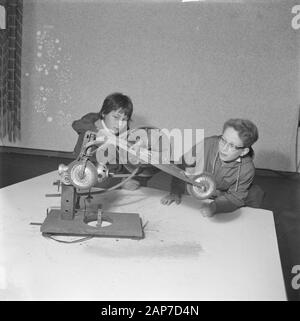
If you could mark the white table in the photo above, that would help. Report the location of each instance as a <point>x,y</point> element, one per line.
<point>184,256</point>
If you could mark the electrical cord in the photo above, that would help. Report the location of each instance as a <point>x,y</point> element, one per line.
<point>50,236</point>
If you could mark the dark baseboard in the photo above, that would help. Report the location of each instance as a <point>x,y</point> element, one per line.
<point>276,173</point>
<point>37,152</point>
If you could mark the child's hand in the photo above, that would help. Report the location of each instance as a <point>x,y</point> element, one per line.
<point>207,208</point>
<point>131,185</point>
<point>101,136</point>
<point>170,198</point>
<point>137,153</point>
<point>192,171</point>
<point>133,154</point>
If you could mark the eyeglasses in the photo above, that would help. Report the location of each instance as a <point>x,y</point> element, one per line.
<point>231,146</point>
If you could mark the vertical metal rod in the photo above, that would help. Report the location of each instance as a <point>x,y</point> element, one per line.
<point>99,216</point>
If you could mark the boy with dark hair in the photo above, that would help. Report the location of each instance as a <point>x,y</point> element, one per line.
<point>113,118</point>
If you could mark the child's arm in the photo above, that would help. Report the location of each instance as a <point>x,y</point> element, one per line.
<point>177,189</point>
<point>187,163</point>
<point>232,199</point>
<point>235,198</point>
<point>87,122</point>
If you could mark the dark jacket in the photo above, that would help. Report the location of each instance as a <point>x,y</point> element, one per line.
<point>81,126</point>
<point>233,179</point>
<point>88,123</point>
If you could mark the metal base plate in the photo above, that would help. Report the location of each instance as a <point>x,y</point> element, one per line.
<point>123,225</point>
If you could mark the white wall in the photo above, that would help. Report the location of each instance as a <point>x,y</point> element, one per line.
<point>185,65</point>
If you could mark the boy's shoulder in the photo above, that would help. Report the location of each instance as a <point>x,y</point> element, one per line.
<point>247,167</point>
<point>91,116</point>
<point>211,141</point>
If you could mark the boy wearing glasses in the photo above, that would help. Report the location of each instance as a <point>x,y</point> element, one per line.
<point>229,158</point>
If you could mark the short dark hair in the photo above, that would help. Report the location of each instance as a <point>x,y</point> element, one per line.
<point>247,131</point>
<point>116,101</point>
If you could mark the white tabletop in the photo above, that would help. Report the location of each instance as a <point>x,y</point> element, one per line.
<point>183,256</point>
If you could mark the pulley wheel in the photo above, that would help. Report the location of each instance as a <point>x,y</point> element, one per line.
<point>83,174</point>
<point>207,188</point>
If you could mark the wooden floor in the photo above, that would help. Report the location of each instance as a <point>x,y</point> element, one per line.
<point>282,197</point>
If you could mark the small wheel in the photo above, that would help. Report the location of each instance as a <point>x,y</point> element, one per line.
<point>207,188</point>
<point>83,175</point>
